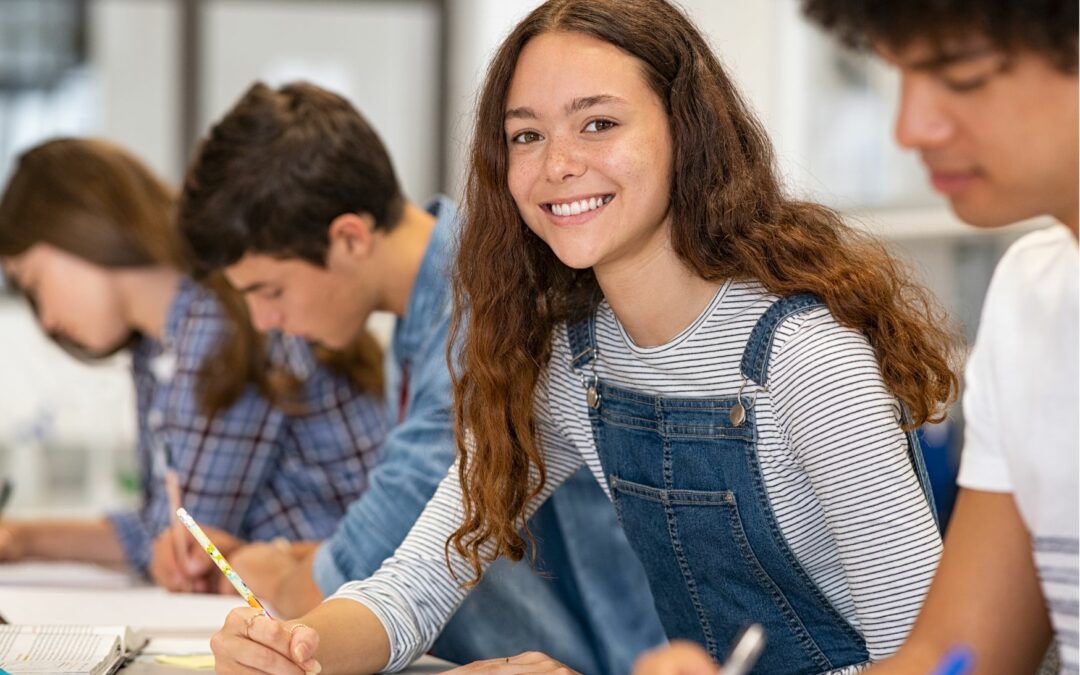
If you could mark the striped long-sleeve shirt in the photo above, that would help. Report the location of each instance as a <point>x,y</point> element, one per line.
<point>833,457</point>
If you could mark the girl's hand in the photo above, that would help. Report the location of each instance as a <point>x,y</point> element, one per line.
<point>528,662</point>
<point>252,642</point>
<point>678,658</point>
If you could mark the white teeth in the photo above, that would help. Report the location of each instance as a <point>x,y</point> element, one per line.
<point>581,206</point>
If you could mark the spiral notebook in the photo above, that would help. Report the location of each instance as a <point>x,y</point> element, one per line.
<point>66,650</point>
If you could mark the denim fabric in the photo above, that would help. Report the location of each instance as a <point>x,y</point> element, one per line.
<point>689,493</point>
<point>589,607</point>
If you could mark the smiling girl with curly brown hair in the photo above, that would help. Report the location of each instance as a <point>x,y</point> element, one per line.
<point>635,293</point>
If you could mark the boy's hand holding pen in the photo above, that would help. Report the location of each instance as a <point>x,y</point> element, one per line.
<point>172,489</point>
<point>682,657</point>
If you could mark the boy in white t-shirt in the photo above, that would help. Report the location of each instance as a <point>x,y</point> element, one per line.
<point>989,99</point>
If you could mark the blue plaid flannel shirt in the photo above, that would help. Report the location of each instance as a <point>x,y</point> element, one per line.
<point>252,470</point>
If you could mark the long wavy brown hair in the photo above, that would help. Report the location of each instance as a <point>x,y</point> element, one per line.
<point>730,219</point>
<point>99,202</point>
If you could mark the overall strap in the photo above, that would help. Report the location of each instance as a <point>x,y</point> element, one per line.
<point>582,340</point>
<point>755,359</point>
<point>755,367</point>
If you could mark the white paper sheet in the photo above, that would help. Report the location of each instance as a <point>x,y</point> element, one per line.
<point>150,610</point>
<point>65,575</point>
<point>177,645</point>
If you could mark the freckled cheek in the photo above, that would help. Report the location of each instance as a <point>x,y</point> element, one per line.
<point>521,181</point>
<point>639,175</point>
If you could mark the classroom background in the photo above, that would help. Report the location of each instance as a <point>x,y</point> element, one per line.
<point>153,74</point>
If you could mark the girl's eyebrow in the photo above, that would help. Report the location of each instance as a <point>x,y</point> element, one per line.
<point>577,105</point>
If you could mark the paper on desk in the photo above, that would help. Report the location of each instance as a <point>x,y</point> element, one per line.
<point>190,661</point>
<point>149,609</point>
<point>64,575</point>
<point>177,645</point>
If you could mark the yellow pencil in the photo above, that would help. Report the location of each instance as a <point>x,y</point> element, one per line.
<point>219,559</point>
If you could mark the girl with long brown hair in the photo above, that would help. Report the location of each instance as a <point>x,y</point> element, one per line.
<point>739,370</point>
<point>264,439</point>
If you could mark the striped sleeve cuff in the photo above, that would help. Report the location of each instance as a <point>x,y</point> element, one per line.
<point>401,626</point>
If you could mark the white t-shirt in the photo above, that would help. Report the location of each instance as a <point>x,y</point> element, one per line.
<point>1022,406</point>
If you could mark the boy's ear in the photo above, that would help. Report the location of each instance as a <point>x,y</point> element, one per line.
<point>353,233</point>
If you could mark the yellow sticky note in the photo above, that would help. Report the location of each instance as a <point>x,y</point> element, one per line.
<point>189,661</point>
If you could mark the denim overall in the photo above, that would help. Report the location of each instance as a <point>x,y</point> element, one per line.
<point>687,488</point>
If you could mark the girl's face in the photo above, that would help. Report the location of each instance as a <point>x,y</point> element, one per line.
<point>590,152</point>
<point>73,298</point>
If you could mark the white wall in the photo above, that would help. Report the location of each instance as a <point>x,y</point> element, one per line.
<point>134,53</point>
<point>66,429</point>
<point>381,56</point>
<point>476,29</point>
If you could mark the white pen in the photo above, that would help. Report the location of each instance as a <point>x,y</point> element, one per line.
<point>745,653</point>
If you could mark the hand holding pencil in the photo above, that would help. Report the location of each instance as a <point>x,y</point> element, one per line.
<point>297,640</point>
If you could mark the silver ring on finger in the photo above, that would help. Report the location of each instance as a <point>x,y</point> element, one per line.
<point>250,620</point>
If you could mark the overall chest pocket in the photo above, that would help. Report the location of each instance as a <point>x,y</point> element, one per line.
<point>684,446</point>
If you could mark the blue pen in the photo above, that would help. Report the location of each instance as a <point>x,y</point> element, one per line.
<point>957,661</point>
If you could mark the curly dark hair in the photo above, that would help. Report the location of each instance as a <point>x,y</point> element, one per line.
<point>1045,26</point>
<point>276,170</point>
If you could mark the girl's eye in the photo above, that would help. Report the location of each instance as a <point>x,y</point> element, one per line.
<point>525,137</point>
<point>599,125</point>
<point>272,294</point>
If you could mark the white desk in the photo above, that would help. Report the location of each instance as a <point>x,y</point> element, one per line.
<point>147,609</point>
<point>427,665</point>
